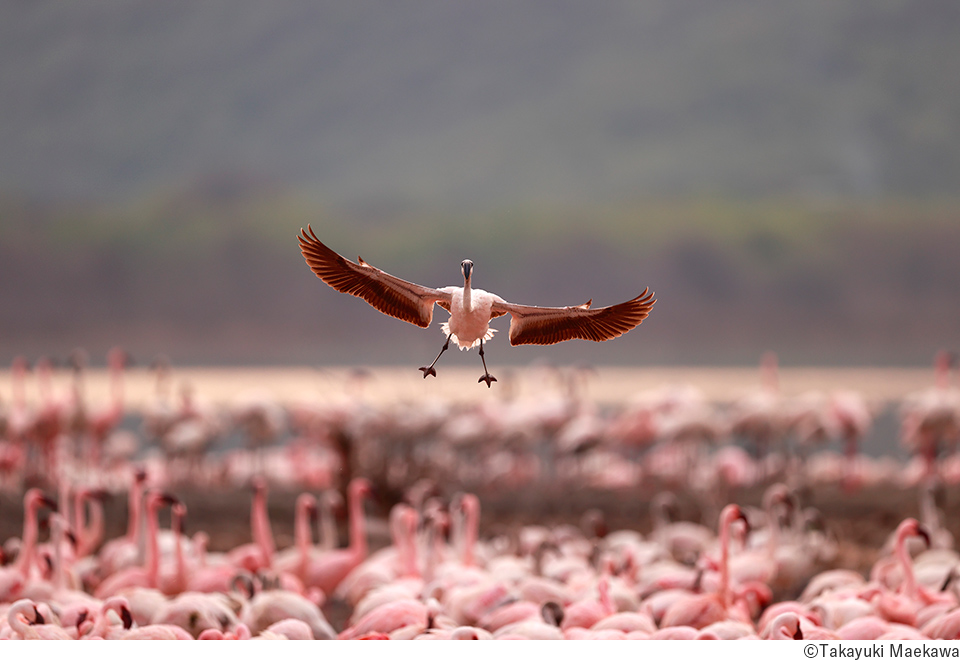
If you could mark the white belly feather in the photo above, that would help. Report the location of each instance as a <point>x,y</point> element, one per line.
<point>469,326</point>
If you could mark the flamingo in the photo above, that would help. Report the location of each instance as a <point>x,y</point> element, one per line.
<point>295,559</point>
<point>27,622</point>
<point>701,610</point>
<point>257,555</point>
<point>102,422</point>
<point>930,418</point>
<point>125,551</point>
<point>389,618</point>
<point>146,575</point>
<point>330,570</point>
<point>470,309</point>
<point>14,579</point>
<point>268,608</point>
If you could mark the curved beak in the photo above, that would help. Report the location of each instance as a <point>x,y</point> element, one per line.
<point>467,267</point>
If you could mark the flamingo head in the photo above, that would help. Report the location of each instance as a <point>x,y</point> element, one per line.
<point>360,487</point>
<point>911,527</point>
<point>466,266</point>
<point>36,498</point>
<point>732,513</point>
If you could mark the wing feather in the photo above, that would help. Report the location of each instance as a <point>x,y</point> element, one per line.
<point>398,298</point>
<point>550,325</point>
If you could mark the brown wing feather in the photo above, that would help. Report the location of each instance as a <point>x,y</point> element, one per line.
<point>550,325</point>
<point>391,295</point>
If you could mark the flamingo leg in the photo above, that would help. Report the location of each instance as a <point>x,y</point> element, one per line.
<point>430,371</point>
<point>486,377</point>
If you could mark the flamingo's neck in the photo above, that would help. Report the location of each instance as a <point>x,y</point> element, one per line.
<point>906,563</point>
<point>467,294</point>
<point>328,526</point>
<point>942,372</point>
<point>727,518</point>
<point>263,536</point>
<point>358,530</point>
<point>29,540</point>
<point>153,544</point>
<point>178,548</point>
<point>135,506</point>
<point>472,510</point>
<point>116,387</point>
<point>94,532</point>
<point>605,600</point>
<point>59,573</point>
<point>302,536</point>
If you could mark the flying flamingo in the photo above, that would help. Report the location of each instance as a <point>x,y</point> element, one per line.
<point>470,309</point>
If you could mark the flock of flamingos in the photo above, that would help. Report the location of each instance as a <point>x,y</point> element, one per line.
<point>766,572</point>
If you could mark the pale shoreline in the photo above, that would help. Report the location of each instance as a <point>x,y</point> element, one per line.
<point>385,385</point>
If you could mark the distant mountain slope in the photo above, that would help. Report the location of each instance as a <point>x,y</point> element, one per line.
<point>210,279</point>
<point>472,102</point>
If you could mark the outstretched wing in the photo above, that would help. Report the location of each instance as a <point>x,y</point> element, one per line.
<point>549,325</point>
<point>401,299</point>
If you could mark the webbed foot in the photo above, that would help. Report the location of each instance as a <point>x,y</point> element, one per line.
<point>487,378</point>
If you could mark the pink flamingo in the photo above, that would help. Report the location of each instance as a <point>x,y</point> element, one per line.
<point>384,566</point>
<point>196,612</point>
<point>389,618</point>
<point>586,613</point>
<point>48,422</point>
<point>257,555</point>
<point>88,536</point>
<point>103,627</point>
<point>854,419</point>
<point>176,581</point>
<point>296,559</point>
<point>14,579</point>
<point>270,607</point>
<point>27,622</point>
<point>330,570</point>
<point>146,575</point>
<point>701,610</point>
<point>158,632</point>
<point>904,605</point>
<point>104,421</point>
<point>125,551</point>
<point>931,417</point>
<point>790,625</point>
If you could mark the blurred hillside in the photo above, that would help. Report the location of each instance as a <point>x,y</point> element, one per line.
<point>213,274</point>
<point>494,102</point>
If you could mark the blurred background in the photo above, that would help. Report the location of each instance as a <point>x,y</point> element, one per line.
<point>782,175</point>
